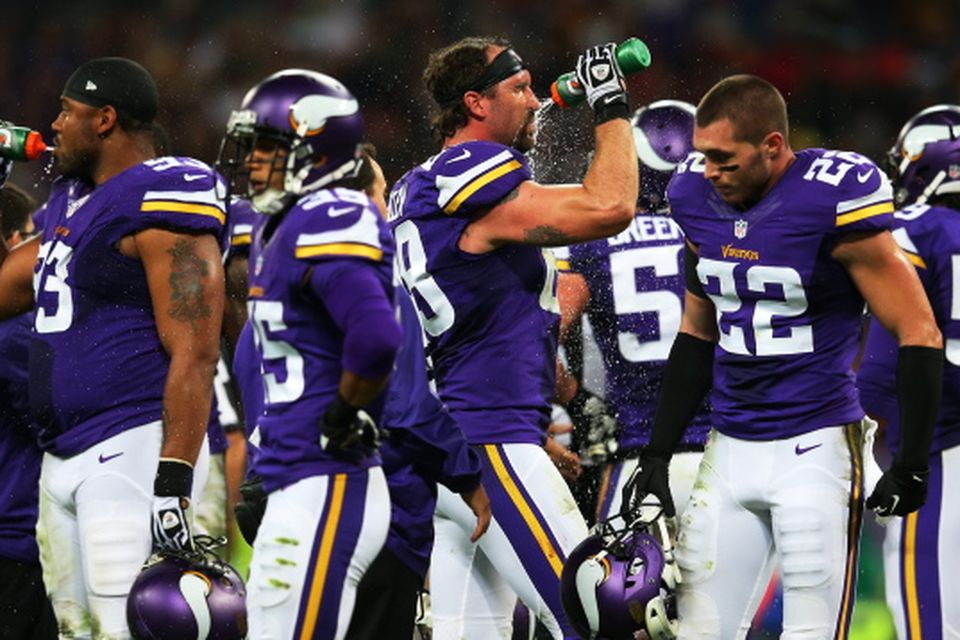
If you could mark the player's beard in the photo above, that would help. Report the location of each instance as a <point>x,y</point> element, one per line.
<point>526,137</point>
<point>78,162</point>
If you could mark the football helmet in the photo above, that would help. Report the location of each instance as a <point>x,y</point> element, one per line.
<point>621,580</point>
<point>310,116</point>
<point>925,160</point>
<point>187,595</point>
<point>663,136</point>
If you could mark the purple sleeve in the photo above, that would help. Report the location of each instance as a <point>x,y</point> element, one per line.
<point>355,298</point>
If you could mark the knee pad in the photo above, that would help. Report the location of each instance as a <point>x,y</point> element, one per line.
<point>806,552</point>
<point>696,548</point>
<point>113,553</point>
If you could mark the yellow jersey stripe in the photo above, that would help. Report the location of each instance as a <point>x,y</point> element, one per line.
<point>852,432</point>
<point>479,183</point>
<point>340,249</point>
<point>184,207</point>
<point>910,574</point>
<point>543,541</point>
<point>255,292</point>
<point>916,260</point>
<point>241,239</point>
<point>866,212</point>
<point>563,265</point>
<point>323,556</point>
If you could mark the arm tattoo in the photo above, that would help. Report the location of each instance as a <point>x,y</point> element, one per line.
<point>187,274</point>
<point>547,236</point>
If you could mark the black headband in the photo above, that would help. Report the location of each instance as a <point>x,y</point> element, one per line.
<point>119,82</point>
<point>504,65</point>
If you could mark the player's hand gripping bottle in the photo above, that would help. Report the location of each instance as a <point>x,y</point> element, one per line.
<point>632,56</point>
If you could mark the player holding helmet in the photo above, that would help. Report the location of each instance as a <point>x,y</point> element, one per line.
<point>784,247</point>
<point>320,292</point>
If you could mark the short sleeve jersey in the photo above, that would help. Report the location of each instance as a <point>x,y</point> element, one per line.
<point>491,319</point>
<point>299,346</point>
<point>97,366</point>
<point>636,288</point>
<point>930,238</point>
<point>788,313</point>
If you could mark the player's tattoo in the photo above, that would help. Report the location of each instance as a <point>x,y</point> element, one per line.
<point>546,235</point>
<point>187,274</point>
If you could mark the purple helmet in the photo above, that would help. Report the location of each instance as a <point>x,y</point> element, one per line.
<point>925,161</point>
<point>314,118</point>
<point>663,135</point>
<point>187,595</point>
<point>620,581</point>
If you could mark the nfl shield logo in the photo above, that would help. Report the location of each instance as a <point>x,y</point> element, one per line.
<point>740,228</point>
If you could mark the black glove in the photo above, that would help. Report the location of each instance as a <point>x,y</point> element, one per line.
<point>651,476</point>
<point>170,524</point>
<point>250,509</point>
<point>602,81</point>
<point>348,432</point>
<point>595,428</point>
<point>899,491</point>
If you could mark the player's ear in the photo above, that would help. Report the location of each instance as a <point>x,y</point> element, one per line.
<point>476,107</point>
<point>106,120</point>
<point>772,145</point>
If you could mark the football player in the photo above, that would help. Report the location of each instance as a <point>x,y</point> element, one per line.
<point>783,248</point>
<point>630,286</point>
<point>921,562</point>
<point>25,611</point>
<point>326,336</point>
<point>470,226</point>
<point>128,296</point>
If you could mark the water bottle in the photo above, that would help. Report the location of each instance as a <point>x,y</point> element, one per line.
<point>21,143</point>
<point>632,56</point>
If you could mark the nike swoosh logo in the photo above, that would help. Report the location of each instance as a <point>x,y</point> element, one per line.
<point>336,212</point>
<point>863,177</point>
<point>190,177</point>
<point>463,156</point>
<point>802,450</point>
<point>104,458</point>
<point>610,99</point>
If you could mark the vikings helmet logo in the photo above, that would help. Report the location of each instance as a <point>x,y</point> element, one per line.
<point>309,114</point>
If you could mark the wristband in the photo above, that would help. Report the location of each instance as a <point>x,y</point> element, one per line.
<point>607,112</point>
<point>174,478</point>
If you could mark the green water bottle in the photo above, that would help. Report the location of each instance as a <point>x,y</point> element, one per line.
<point>632,56</point>
<point>21,143</point>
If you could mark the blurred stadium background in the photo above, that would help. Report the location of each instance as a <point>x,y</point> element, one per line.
<point>852,72</point>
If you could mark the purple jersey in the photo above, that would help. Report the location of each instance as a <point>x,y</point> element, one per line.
<point>425,446</point>
<point>20,457</point>
<point>636,295</point>
<point>930,236</point>
<point>97,366</point>
<point>242,221</point>
<point>491,319</point>
<point>788,314</point>
<point>299,346</point>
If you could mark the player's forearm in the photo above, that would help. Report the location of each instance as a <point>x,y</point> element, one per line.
<point>613,177</point>
<point>358,391</point>
<point>187,398</point>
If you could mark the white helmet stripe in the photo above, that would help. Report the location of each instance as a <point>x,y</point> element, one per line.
<point>589,576</point>
<point>195,589</point>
